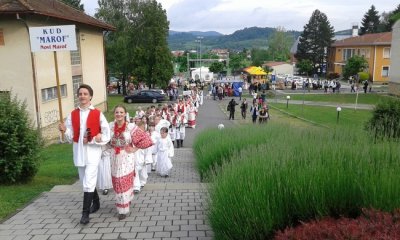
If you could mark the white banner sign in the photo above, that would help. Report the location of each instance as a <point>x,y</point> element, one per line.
<point>53,38</point>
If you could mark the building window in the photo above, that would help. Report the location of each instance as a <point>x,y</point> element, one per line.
<point>348,53</point>
<point>386,52</point>
<point>1,37</point>
<point>385,71</point>
<point>49,94</point>
<point>76,55</point>
<point>76,81</point>
<point>365,52</point>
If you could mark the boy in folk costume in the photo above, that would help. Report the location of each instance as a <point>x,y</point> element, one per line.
<point>165,151</point>
<point>181,120</point>
<point>88,129</point>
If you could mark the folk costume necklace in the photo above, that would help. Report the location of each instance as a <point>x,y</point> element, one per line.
<point>119,139</point>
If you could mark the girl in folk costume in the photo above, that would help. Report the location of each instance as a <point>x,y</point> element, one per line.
<point>141,176</point>
<point>139,113</point>
<point>104,181</point>
<point>192,112</point>
<point>181,106</point>
<point>165,151</point>
<point>88,130</point>
<point>181,120</point>
<point>172,129</point>
<point>164,111</point>
<point>122,159</point>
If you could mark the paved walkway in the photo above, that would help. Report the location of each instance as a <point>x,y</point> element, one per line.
<point>167,208</point>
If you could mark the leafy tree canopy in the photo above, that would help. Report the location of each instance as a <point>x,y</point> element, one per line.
<point>217,67</point>
<point>279,45</point>
<point>138,47</point>
<point>354,65</point>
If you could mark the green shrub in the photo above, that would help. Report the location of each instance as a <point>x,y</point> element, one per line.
<point>297,175</point>
<point>363,76</point>
<point>20,142</point>
<point>385,121</point>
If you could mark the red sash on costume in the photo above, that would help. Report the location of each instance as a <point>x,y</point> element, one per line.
<point>92,122</point>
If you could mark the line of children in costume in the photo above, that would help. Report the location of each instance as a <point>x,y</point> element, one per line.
<point>127,173</point>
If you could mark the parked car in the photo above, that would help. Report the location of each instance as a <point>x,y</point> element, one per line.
<point>159,91</point>
<point>145,96</point>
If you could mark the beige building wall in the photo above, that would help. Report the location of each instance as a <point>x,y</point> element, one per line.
<point>283,69</point>
<point>93,68</point>
<point>394,70</point>
<point>16,73</point>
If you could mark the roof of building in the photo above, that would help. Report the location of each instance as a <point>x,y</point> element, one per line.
<point>273,64</point>
<point>384,38</point>
<point>252,70</point>
<point>51,8</point>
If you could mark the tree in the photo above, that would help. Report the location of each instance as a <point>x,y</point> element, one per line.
<point>354,65</point>
<point>138,47</point>
<point>258,56</point>
<point>75,4</point>
<point>279,45</point>
<point>316,38</point>
<point>388,19</point>
<point>237,61</point>
<point>305,66</point>
<point>217,67</point>
<point>370,22</point>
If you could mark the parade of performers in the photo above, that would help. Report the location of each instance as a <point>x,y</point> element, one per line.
<point>138,146</point>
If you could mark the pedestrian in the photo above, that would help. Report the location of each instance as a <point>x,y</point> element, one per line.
<point>243,108</point>
<point>88,129</point>
<point>240,90</point>
<point>165,151</point>
<point>254,112</point>
<point>231,108</point>
<point>365,86</point>
<point>122,160</point>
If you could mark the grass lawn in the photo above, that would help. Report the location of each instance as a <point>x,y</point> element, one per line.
<point>327,116</point>
<point>332,98</point>
<point>338,98</point>
<point>56,168</point>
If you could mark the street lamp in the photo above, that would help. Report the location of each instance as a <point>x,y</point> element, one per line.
<point>287,101</point>
<point>199,41</point>
<point>338,109</point>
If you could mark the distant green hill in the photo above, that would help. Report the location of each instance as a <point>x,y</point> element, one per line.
<point>253,37</point>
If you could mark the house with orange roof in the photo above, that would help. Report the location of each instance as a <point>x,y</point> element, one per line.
<point>375,48</point>
<point>32,75</point>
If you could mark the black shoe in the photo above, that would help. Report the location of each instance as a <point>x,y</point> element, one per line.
<point>105,191</point>
<point>121,216</point>
<point>136,191</point>
<point>141,187</point>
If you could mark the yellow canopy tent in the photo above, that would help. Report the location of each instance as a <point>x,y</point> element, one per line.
<point>257,74</point>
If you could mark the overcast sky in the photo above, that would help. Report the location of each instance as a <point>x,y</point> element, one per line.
<point>227,16</point>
